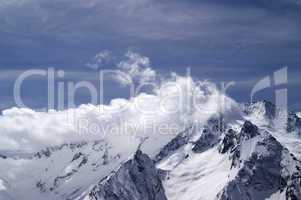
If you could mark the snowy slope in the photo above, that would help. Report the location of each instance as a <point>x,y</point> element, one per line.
<point>230,155</point>
<point>60,172</point>
<point>257,167</point>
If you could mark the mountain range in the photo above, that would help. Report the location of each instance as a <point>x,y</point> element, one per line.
<point>245,155</point>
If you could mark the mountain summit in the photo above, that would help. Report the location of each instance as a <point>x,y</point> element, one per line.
<point>221,159</point>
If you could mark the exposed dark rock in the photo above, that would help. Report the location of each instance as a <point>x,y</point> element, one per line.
<point>42,186</point>
<point>228,142</point>
<point>162,174</point>
<point>83,162</point>
<point>77,145</point>
<point>60,179</point>
<point>206,141</point>
<point>234,142</point>
<point>293,191</point>
<point>77,156</point>
<point>216,125</point>
<point>136,179</point>
<point>173,145</point>
<point>270,109</point>
<point>248,131</point>
<point>105,157</point>
<point>45,152</point>
<point>293,123</point>
<point>267,171</point>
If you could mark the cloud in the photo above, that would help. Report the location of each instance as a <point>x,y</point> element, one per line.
<point>72,30</point>
<point>101,58</point>
<point>136,67</point>
<point>177,102</point>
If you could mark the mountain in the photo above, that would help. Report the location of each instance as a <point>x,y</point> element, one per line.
<point>138,178</point>
<point>265,170</point>
<point>60,172</point>
<point>262,109</point>
<point>294,123</point>
<point>225,158</point>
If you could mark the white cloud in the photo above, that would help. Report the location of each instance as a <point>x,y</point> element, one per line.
<point>101,58</point>
<point>176,101</point>
<point>122,123</point>
<point>137,67</point>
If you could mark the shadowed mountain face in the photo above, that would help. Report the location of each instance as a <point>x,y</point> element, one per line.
<point>136,179</point>
<point>266,169</point>
<point>294,123</point>
<point>246,162</point>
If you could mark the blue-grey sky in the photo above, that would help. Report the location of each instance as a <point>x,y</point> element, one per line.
<point>233,40</point>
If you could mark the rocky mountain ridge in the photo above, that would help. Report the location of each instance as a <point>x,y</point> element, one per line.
<point>220,160</point>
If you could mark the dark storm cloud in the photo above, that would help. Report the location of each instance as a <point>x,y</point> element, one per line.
<point>218,39</point>
<point>38,31</point>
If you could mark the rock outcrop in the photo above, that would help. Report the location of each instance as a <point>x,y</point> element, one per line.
<point>136,179</point>
<point>265,168</point>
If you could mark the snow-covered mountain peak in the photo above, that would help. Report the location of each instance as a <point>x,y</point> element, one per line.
<point>248,130</point>
<point>225,157</point>
<point>262,109</point>
<point>138,178</point>
<point>248,164</point>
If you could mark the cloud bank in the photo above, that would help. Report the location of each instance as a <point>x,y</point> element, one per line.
<point>175,103</point>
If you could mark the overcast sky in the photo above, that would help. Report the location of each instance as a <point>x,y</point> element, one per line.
<point>233,40</point>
